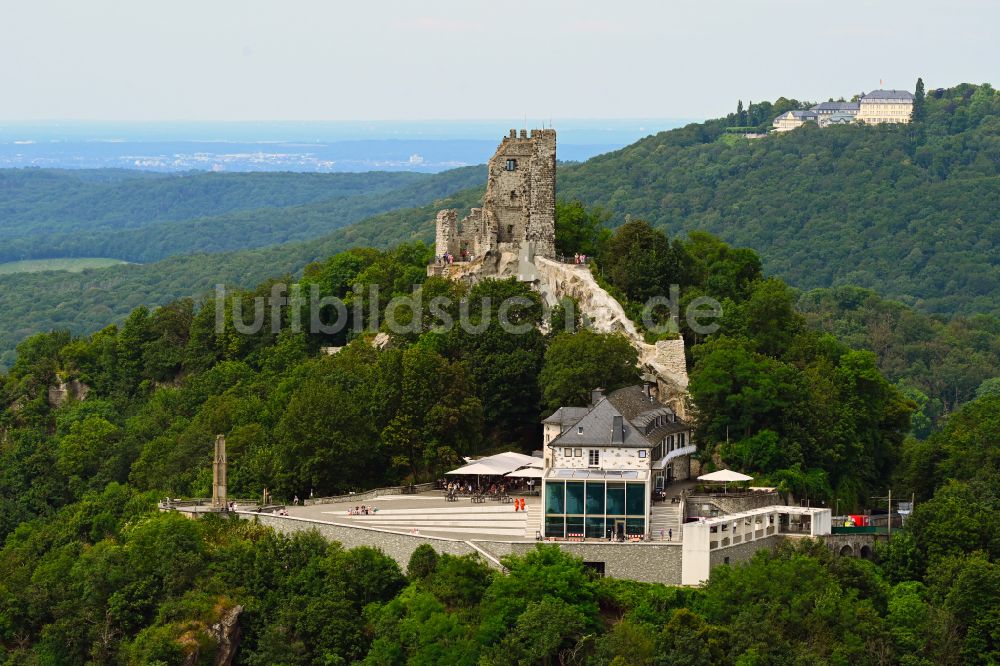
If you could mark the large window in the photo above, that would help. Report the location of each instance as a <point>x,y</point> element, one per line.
<point>574,526</point>
<point>594,457</point>
<point>635,499</point>
<point>574,497</point>
<point>595,528</point>
<point>616,499</point>
<point>595,498</point>
<point>554,497</point>
<point>594,508</point>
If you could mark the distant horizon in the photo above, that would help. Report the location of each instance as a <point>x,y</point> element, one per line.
<point>392,60</point>
<point>329,146</point>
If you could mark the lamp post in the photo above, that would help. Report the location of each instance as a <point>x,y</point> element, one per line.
<point>889,515</point>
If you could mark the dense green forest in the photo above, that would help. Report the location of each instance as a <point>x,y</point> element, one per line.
<point>52,214</point>
<point>54,201</point>
<point>907,210</point>
<point>88,301</point>
<point>89,572</point>
<point>937,362</point>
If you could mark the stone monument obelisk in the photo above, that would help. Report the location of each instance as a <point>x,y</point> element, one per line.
<point>219,499</point>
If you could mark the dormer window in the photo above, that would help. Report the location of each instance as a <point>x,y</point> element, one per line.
<point>579,430</point>
<point>511,165</point>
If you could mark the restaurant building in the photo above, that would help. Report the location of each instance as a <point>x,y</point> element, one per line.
<point>603,463</point>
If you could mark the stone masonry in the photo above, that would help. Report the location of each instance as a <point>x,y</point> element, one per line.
<point>519,204</point>
<point>513,235</point>
<point>656,562</point>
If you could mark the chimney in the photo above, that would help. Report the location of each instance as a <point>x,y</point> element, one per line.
<point>596,396</point>
<point>617,429</point>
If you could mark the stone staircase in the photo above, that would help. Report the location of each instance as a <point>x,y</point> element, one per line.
<point>666,516</point>
<point>533,522</point>
<point>459,521</point>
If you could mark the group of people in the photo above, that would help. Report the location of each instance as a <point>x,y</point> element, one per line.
<point>361,510</point>
<point>498,488</point>
<point>579,258</point>
<point>455,488</point>
<point>449,258</point>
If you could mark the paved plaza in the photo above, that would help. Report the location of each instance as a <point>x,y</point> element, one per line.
<point>432,514</point>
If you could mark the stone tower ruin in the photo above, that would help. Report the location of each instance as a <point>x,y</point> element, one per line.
<point>518,207</point>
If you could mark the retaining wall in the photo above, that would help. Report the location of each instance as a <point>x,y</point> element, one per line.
<point>396,545</point>
<point>646,562</point>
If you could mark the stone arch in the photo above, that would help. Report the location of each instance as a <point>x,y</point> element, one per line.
<point>866,552</point>
<point>846,551</point>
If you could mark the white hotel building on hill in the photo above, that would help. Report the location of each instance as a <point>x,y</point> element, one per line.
<point>876,107</point>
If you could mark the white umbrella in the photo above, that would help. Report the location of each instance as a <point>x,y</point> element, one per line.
<point>526,473</point>
<point>725,477</point>
<point>496,465</point>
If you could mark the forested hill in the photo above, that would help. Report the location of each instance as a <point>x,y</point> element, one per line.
<point>910,211</point>
<point>148,217</point>
<point>88,301</point>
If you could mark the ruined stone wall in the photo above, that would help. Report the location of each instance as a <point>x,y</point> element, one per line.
<point>519,204</point>
<point>541,231</point>
<point>469,235</point>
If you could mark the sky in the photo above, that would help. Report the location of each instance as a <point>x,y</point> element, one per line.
<point>227,60</point>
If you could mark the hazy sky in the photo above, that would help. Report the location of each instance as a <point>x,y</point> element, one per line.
<point>431,59</point>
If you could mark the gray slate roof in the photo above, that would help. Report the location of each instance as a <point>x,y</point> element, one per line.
<point>800,114</point>
<point>566,416</point>
<point>597,430</point>
<point>640,410</point>
<point>891,95</point>
<point>637,411</point>
<point>836,106</point>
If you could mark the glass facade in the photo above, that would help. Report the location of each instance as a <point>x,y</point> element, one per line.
<point>594,509</point>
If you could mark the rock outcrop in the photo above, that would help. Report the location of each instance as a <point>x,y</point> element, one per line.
<point>554,280</point>
<point>227,635</point>
<point>63,391</point>
<point>664,360</point>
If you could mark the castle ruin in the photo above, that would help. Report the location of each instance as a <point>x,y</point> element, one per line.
<point>514,235</point>
<point>518,207</point>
